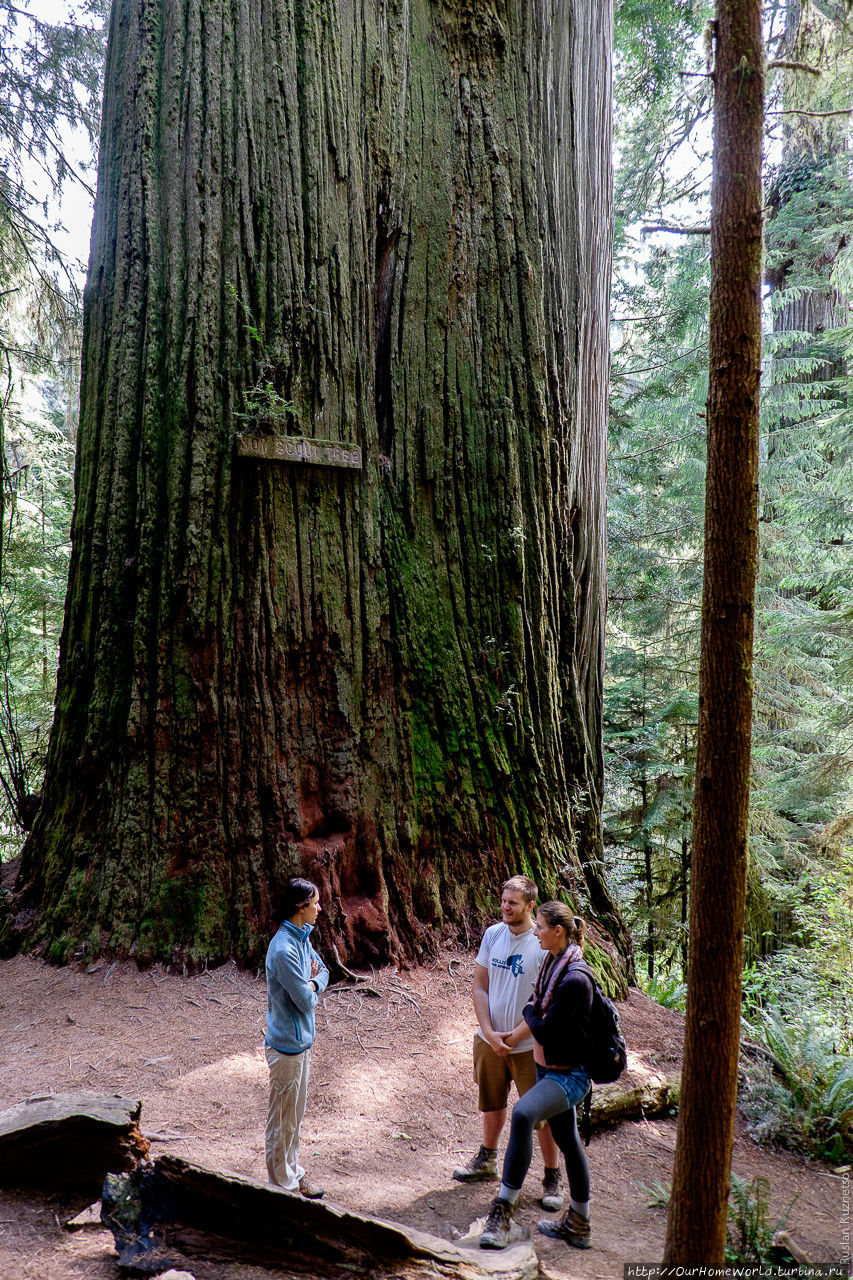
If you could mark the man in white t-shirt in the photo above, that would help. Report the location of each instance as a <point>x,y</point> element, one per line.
<point>507,964</point>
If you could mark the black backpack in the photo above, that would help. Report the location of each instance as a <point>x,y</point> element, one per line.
<point>606,1052</point>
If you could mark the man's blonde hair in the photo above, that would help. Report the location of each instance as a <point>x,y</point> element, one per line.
<point>523,885</point>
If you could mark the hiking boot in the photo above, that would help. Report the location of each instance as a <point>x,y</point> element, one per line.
<point>572,1227</point>
<point>483,1167</point>
<point>551,1198</point>
<point>309,1191</point>
<point>500,1229</point>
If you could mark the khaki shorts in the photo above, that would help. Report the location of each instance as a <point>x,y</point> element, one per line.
<point>493,1075</point>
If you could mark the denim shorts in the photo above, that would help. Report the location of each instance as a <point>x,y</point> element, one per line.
<point>575,1084</point>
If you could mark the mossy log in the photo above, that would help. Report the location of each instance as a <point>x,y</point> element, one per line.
<point>69,1141</point>
<point>176,1207</point>
<point>632,1098</point>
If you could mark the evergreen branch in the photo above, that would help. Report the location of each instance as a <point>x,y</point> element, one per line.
<point>665,364</point>
<point>681,231</point>
<point>49,361</point>
<point>27,232</point>
<point>699,185</point>
<point>642,535</point>
<point>47,141</point>
<point>630,457</point>
<point>796,111</point>
<point>24,353</point>
<point>793,66</point>
<point>41,25</point>
<point>661,315</point>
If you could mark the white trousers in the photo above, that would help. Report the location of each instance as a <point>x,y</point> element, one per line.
<point>288,1094</point>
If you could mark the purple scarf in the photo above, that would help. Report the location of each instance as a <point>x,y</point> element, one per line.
<point>550,974</point>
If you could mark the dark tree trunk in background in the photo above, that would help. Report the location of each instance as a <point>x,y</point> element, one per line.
<point>390,223</point>
<point>649,885</point>
<point>684,897</point>
<point>696,1230</point>
<point>801,257</point>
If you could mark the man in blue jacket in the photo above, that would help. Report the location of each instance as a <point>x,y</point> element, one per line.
<point>295,977</point>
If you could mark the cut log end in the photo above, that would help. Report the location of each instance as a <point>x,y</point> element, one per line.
<point>69,1140</point>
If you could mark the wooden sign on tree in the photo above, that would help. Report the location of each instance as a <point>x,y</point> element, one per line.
<point>319,453</point>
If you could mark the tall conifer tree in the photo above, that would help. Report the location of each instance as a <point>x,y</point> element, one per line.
<point>696,1228</point>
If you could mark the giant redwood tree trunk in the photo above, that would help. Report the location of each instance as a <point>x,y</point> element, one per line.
<point>384,223</point>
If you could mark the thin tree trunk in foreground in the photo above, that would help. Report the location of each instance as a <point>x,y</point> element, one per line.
<point>385,225</point>
<point>696,1229</point>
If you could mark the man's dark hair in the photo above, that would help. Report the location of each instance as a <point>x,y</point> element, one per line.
<point>296,893</point>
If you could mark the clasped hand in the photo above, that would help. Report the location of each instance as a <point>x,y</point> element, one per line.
<point>506,1041</point>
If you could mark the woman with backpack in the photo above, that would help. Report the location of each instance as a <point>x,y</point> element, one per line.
<point>558,1016</point>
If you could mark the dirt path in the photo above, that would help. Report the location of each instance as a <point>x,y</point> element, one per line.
<point>390,1111</point>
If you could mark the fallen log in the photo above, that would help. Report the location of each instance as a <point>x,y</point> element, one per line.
<point>636,1095</point>
<point>784,1243</point>
<point>69,1141</point>
<point>173,1208</point>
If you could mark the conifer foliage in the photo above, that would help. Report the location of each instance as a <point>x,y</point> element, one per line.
<point>50,86</point>
<point>798,909</point>
<point>50,81</point>
<point>802,707</point>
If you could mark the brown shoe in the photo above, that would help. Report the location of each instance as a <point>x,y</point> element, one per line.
<point>552,1191</point>
<point>571,1227</point>
<point>309,1191</point>
<point>501,1229</point>
<point>483,1167</point>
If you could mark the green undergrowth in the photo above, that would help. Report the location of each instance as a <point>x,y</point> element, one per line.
<point>796,1082</point>
<point>749,1237</point>
<point>751,1229</point>
<point>800,1095</point>
<point>797,1091</point>
<point>667,989</point>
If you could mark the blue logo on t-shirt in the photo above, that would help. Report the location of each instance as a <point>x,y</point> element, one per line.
<point>514,963</point>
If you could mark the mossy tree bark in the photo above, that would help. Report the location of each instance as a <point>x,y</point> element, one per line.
<point>696,1228</point>
<point>385,223</point>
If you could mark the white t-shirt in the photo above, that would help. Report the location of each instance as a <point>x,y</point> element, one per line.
<point>512,961</point>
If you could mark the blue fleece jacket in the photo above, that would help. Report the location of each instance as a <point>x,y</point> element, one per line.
<point>290,995</point>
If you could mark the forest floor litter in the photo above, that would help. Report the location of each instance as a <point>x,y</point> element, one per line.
<point>391,1110</point>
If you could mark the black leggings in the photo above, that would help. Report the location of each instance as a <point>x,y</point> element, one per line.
<point>547,1100</point>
